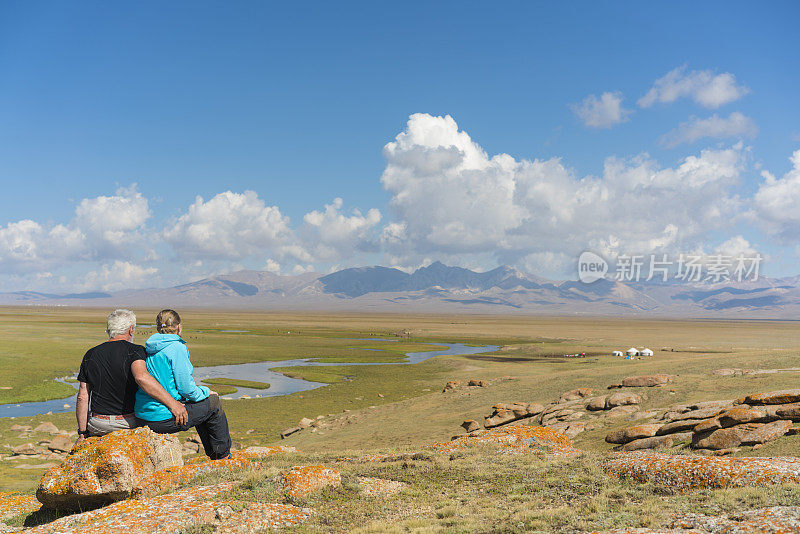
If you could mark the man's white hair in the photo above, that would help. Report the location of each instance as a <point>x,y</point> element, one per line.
<point>119,321</point>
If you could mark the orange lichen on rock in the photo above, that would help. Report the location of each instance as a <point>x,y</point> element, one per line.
<point>172,477</point>
<point>515,438</point>
<point>176,511</point>
<point>684,473</point>
<point>301,481</point>
<point>12,504</point>
<point>106,469</point>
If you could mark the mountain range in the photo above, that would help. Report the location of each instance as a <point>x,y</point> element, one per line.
<point>443,289</point>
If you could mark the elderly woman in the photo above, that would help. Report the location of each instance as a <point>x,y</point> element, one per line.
<point>168,361</point>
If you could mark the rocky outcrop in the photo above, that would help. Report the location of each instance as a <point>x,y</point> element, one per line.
<point>652,443</point>
<point>723,438</point>
<point>632,433</point>
<point>13,504</point>
<point>300,481</point>
<point>720,427</point>
<point>576,394</point>
<point>622,399</point>
<point>102,470</point>
<point>786,396</point>
<point>178,512</point>
<point>766,433</point>
<point>504,413</point>
<point>684,473</point>
<point>170,478</point>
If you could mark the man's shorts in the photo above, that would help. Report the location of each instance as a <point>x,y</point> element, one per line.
<point>100,425</point>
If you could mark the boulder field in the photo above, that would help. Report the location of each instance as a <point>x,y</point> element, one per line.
<point>720,426</point>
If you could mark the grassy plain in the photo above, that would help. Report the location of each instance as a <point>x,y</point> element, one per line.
<point>401,407</point>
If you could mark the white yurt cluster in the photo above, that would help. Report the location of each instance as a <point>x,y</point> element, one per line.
<point>632,353</point>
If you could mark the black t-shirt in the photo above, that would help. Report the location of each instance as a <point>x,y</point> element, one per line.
<point>106,368</point>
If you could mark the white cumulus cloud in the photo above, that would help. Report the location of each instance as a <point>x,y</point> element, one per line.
<point>735,125</point>
<point>603,112</point>
<point>705,87</point>
<point>104,227</point>
<point>330,235</point>
<point>775,205</point>
<point>451,198</point>
<point>120,275</point>
<point>228,226</point>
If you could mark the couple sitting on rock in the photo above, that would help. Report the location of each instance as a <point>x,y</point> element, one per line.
<point>123,386</point>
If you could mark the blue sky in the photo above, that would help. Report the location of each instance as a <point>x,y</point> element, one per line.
<point>296,104</point>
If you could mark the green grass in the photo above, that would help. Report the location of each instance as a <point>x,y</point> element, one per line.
<point>402,406</point>
<point>236,383</point>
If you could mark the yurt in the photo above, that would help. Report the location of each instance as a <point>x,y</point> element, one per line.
<point>632,352</point>
<point>617,353</point>
<point>647,352</point>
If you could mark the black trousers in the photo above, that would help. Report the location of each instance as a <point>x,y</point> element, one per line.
<point>208,418</point>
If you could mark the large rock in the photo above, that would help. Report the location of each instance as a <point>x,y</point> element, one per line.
<point>569,428</point>
<point>733,417</point>
<point>768,432</point>
<point>709,425</point>
<point>26,449</point>
<point>678,426</point>
<point>60,443</point>
<point>47,427</point>
<point>740,415</point>
<point>723,438</point>
<point>102,470</point>
<point>632,433</point>
<point>597,403</point>
<point>576,394</point>
<point>787,411</point>
<point>619,411</point>
<point>508,412</point>
<point>704,412</point>
<point>644,381</point>
<point>784,396</point>
<point>653,443</point>
<point>470,425</point>
<point>622,398</point>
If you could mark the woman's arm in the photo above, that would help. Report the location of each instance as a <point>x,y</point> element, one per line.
<point>151,386</point>
<point>184,381</point>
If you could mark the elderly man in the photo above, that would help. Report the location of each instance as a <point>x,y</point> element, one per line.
<point>109,376</point>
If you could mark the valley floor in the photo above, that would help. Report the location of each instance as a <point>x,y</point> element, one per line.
<point>390,409</point>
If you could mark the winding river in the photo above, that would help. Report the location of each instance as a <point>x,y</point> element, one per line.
<point>259,371</point>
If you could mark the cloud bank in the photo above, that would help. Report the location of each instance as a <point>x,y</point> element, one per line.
<point>447,199</point>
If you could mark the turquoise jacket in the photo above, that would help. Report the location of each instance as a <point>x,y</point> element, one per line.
<point>168,362</point>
